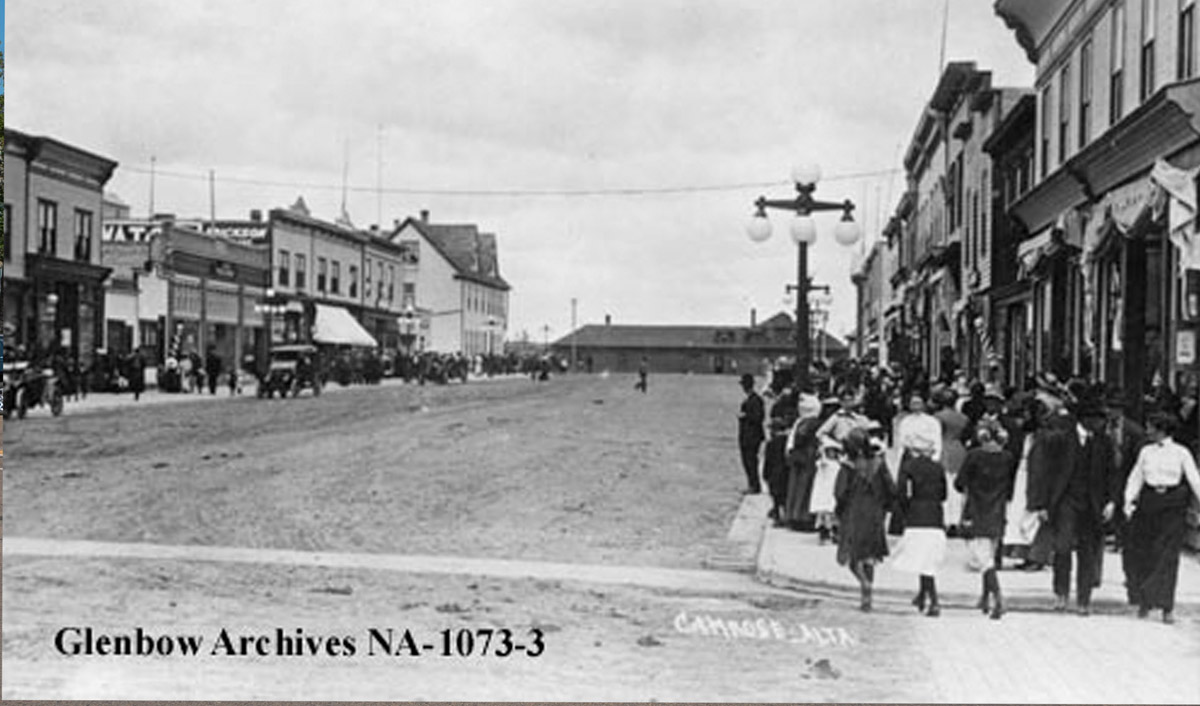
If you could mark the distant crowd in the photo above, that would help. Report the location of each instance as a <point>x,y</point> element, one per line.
<point>1041,477</point>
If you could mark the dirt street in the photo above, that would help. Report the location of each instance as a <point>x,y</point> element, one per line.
<point>580,470</point>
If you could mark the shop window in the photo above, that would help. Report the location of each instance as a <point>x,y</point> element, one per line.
<point>47,228</point>
<point>284,264</point>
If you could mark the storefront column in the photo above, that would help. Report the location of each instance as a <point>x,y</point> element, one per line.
<point>1134,285</point>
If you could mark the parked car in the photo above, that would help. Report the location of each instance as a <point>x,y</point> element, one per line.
<point>290,369</point>
<point>27,386</point>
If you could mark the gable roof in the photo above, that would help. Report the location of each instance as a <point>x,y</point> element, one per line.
<point>472,254</point>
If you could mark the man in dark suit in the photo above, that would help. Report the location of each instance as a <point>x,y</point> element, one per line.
<point>1070,486</point>
<point>750,433</point>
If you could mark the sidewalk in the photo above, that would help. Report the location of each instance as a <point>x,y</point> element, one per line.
<point>102,401</point>
<point>798,560</point>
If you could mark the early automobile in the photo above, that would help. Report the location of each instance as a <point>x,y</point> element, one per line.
<point>26,386</point>
<point>290,369</point>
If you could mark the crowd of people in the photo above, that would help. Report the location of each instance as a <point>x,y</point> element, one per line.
<point>1043,476</point>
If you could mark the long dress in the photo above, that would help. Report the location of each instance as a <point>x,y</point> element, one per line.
<point>953,454</point>
<point>802,462</point>
<point>865,492</point>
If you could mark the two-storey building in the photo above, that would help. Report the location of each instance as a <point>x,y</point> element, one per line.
<point>53,279</point>
<point>460,296</point>
<point>1117,133</point>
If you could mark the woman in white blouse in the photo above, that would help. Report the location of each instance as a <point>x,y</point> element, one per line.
<point>1160,485</point>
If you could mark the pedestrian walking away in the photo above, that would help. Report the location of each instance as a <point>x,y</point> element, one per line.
<point>643,375</point>
<point>986,479</point>
<point>864,493</point>
<point>920,491</point>
<point>750,433</point>
<point>1156,497</point>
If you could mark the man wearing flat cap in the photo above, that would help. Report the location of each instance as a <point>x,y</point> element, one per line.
<point>750,433</point>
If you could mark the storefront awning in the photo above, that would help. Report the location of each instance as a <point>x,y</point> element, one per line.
<point>335,325</point>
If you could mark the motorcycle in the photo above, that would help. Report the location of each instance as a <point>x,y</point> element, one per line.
<point>27,386</point>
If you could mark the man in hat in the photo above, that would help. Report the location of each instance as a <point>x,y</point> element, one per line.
<point>1070,487</point>
<point>750,432</point>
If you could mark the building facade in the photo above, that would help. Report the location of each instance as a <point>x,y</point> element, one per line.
<point>176,290</point>
<point>53,278</point>
<point>459,295</point>
<point>1108,221</point>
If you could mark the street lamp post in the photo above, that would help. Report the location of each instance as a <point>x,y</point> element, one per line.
<point>804,233</point>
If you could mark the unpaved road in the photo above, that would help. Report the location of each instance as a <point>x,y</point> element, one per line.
<point>578,470</point>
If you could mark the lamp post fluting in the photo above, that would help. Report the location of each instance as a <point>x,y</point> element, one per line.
<point>804,233</point>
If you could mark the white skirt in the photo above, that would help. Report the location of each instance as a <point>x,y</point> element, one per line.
<point>824,483</point>
<point>981,553</point>
<point>920,550</point>
<point>1018,530</point>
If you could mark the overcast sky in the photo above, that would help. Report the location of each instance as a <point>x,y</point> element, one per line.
<point>517,96</point>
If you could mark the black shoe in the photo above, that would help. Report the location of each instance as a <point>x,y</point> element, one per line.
<point>1143,611</point>
<point>1084,609</point>
<point>982,605</point>
<point>997,611</point>
<point>919,602</point>
<point>934,611</point>
<point>1168,617</point>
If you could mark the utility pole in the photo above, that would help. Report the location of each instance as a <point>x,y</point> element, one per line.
<point>574,333</point>
<point>212,196</point>
<point>150,215</point>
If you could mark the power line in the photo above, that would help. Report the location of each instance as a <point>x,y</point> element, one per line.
<point>413,191</point>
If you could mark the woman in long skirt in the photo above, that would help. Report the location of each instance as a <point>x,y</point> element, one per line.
<point>1156,499</point>
<point>1020,525</point>
<point>986,480</point>
<point>921,490</point>
<point>802,461</point>
<point>865,492</point>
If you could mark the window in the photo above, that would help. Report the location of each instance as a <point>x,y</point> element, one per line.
<point>300,270</point>
<point>83,235</point>
<point>1085,93</point>
<point>353,290</point>
<point>1187,39</point>
<point>1116,102</point>
<point>285,261</point>
<point>1064,112</point>
<point>984,220</point>
<point>410,293</point>
<point>367,280</point>
<point>322,271</point>
<point>391,283</point>
<point>7,231</point>
<point>1045,147</point>
<point>379,289</point>
<point>1146,85</point>
<point>335,275</point>
<point>47,227</point>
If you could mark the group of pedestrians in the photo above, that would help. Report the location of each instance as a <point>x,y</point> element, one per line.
<point>1039,476</point>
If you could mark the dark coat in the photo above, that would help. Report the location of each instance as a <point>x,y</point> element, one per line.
<point>986,477</point>
<point>864,492</point>
<point>1056,454</point>
<point>921,490</point>
<point>750,420</point>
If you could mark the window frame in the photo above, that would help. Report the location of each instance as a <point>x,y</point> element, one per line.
<point>47,214</point>
<point>300,262</point>
<point>322,274</point>
<point>335,277</point>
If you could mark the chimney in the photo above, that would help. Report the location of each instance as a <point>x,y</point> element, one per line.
<point>608,319</point>
<point>256,215</point>
<point>395,224</point>
<point>753,318</point>
<point>424,215</point>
